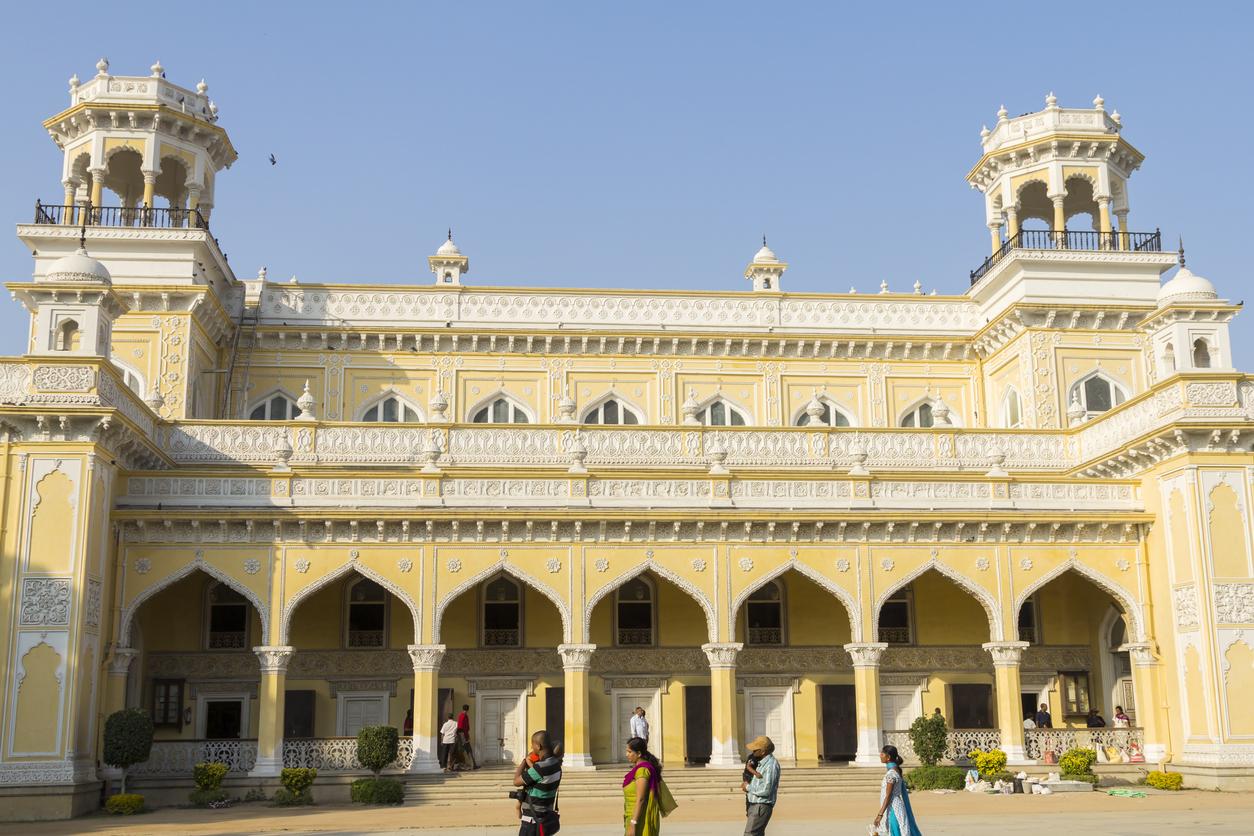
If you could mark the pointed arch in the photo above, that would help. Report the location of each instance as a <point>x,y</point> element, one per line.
<point>625,404</point>
<point>852,609</point>
<point>801,418</point>
<point>733,406</point>
<point>982,595</point>
<point>197,565</point>
<point>264,403</point>
<point>1130,608</point>
<point>285,626</point>
<point>711,618</point>
<point>1079,390</point>
<point>500,394</point>
<point>502,566</point>
<point>130,376</point>
<point>377,402</point>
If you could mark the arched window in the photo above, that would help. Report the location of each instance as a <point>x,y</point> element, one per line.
<point>391,410</point>
<point>611,411</point>
<point>228,618</point>
<point>68,336</point>
<point>634,611</point>
<point>896,621</point>
<point>130,377</point>
<point>501,411</point>
<point>1011,416</point>
<point>367,614</point>
<point>1169,357</point>
<point>764,616</point>
<point>720,413</point>
<point>1097,393</point>
<point>831,416</point>
<point>920,416</point>
<point>1201,354</point>
<point>502,613</point>
<point>274,407</point>
<point>1030,622</point>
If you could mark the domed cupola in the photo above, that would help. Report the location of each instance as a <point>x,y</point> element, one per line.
<point>448,264</point>
<point>1186,286</point>
<point>77,267</point>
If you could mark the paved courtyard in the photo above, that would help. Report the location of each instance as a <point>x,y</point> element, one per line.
<point>1189,812</point>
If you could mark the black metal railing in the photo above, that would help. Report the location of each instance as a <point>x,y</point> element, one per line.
<point>116,216</point>
<point>1048,239</point>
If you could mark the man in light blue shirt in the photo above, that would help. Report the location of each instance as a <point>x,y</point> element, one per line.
<point>764,787</point>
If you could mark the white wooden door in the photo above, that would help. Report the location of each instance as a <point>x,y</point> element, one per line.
<point>900,709</point>
<point>360,712</point>
<point>625,703</point>
<point>498,730</point>
<point>770,713</point>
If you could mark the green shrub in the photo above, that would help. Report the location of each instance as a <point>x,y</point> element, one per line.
<point>377,791</point>
<point>125,804</point>
<point>297,780</point>
<point>287,798</point>
<point>209,774</point>
<point>1077,761</point>
<point>377,747</point>
<point>127,740</point>
<point>936,778</point>
<point>990,764</point>
<point>255,794</point>
<point>1165,780</point>
<point>205,798</point>
<point>1087,777</point>
<point>928,736</point>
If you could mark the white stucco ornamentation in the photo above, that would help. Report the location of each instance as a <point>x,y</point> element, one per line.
<point>1234,603</point>
<point>745,564</point>
<point>842,565</point>
<point>454,565</point>
<point>698,564</point>
<point>982,564</point>
<point>553,565</point>
<point>1026,564</point>
<point>405,564</point>
<point>602,565</point>
<point>143,566</point>
<point>302,565</point>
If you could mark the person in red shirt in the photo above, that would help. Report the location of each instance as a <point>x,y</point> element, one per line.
<point>463,734</point>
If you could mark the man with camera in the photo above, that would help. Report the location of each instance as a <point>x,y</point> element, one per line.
<point>539,776</point>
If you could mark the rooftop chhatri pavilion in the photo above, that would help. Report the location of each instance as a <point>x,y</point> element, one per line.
<point>269,514</point>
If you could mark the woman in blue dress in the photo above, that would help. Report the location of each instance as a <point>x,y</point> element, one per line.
<point>895,817</point>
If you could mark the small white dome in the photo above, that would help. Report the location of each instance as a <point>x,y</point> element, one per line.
<point>765,254</point>
<point>1185,286</point>
<point>448,248</point>
<point>78,267</point>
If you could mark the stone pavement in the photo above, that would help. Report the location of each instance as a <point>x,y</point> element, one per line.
<point>1189,812</point>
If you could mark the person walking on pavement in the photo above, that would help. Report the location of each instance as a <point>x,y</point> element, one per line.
<point>639,725</point>
<point>764,788</point>
<point>448,738</point>
<point>463,734</point>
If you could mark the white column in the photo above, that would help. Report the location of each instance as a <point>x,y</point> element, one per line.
<point>426,659</point>
<point>725,749</point>
<point>866,685</point>
<point>273,661</point>
<point>577,736</point>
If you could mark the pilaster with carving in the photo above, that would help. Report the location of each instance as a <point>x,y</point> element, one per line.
<point>272,661</point>
<point>426,659</point>
<point>576,664</point>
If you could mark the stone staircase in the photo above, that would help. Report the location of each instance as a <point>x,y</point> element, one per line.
<point>491,784</point>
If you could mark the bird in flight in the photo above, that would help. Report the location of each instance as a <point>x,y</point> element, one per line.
<point>273,161</point>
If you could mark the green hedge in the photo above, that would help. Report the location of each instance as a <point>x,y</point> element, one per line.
<point>296,783</point>
<point>287,798</point>
<point>203,798</point>
<point>1081,776</point>
<point>936,778</point>
<point>125,804</point>
<point>1077,761</point>
<point>377,747</point>
<point>377,791</point>
<point>209,774</point>
<point>928,736</point>
<point>1164,780</point>
<point>990,764</point>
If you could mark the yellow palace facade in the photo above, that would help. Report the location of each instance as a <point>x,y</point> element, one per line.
<point>271,513</point>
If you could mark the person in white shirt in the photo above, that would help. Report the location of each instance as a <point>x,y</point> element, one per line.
<point>639,725</point>
<point>1029,723</point>
<point>448,736</point>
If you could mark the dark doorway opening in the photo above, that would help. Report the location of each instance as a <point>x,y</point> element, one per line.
<point>555,713</point>
<point>840,723</point>
<point>298,714</point>
<point>698,720</point>
<point>223,719</point>
<point>973,706</point>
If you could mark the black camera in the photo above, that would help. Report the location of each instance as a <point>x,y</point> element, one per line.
<point>518,795</point>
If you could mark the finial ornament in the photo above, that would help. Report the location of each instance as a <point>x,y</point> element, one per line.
<point>82,239</point>
<point>1051,100</point>
<point>201,87</point>
<point>1002,114</point>
<point>157,69</point>
<point>1099,102</point>
<point>450,233</point>
<point>1181,251</point>
<point>102,66</point>
<point>74,82</point>
<point>764,240</point>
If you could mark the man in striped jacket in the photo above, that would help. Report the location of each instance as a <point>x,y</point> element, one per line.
<point>539,775</point>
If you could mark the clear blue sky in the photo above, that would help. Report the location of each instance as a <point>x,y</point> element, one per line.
<point>648,144</point>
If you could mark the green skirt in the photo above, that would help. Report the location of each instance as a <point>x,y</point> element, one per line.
<point>650,824</point>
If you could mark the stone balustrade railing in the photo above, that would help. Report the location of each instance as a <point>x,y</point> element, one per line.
<point>958,742</point>
<point>1037,742</point>
<point>178,757</point>
<point>338,754</point>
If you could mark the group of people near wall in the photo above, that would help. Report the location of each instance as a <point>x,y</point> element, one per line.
<point>646,798</point>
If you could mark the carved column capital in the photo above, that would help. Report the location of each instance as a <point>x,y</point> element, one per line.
<point>1141,653</point>
<point>866,654</point>
<point>722,654</point>
<point>426,657</point>
<point>576,657</point>
<point>274,658</point>
<point>1005,654</point>
<point>120,660</point>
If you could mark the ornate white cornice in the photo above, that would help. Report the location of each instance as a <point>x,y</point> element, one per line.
<point>576,657</point>
<point>722,655</point>
<point>1006,654</point>
<point>426,657</point>
<point>274,659</point>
